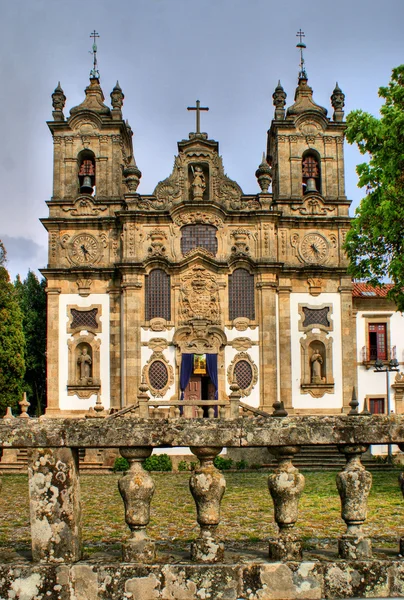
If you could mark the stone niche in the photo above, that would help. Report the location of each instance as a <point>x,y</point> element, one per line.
<point>316,350</point>
<point>84,351</point>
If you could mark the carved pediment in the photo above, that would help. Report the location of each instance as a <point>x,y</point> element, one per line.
<point>313,205</point>
<point>84,206</point>
<point>200,338</point>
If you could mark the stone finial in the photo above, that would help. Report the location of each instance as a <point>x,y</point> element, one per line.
<point>207,487</point>
<point>264,175</point>
<point>304,101</point>
<point>279,409</point>
<point>24,406</point>
<point>9,413</point>
<point>132,176</point>
<point>117,97</point>
<point>58,103</point>
<point>279,97</point>
<point>143,399</point>
<point>353,403</point>
<point>93,101</point>
<point>338,103</point>
<point>366,412</point>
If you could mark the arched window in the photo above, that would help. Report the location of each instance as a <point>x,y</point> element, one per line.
<point>157,291</point>
<point>198,236</point>
<point>241,295</point>
<point>311,174</point>
<point>86,161</point>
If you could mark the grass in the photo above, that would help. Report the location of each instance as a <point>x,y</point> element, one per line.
<point>247,512</point>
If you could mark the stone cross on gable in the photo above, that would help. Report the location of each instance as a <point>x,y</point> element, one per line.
<point>198,109</point>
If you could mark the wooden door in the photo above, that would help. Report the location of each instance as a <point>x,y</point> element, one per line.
<point>193,391</point>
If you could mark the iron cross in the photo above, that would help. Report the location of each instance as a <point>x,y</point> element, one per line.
<point>198,109</point>
<point>300,34</point>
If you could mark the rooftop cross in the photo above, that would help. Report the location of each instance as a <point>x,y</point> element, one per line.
<point>94,73</point>
<point>198,109</point>
<point>301,46</point>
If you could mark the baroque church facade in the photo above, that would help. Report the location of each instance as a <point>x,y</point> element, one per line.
<point>199,285</point>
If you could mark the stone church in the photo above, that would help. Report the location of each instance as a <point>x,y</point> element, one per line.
<point>199,284</point>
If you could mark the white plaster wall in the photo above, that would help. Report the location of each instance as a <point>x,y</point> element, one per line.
<point>74,402</point>
<point>254,398</point>
<point>370,382</point>
<point>306,401</point>
<point>146,335</point>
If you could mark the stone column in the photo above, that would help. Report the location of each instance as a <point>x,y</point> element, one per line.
<point>285,485</point>
<point>115,347</point>
<point>137,489</point>
<point>133,310</point>
<point>354,484</point>
<point>285,348</point>
<point>207,486</point>
<point>52,350</point>
<point>348,341</point>
<point>55,511</point>
<point>267,337</point>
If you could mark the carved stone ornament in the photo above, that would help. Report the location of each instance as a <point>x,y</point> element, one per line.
<point>241,344</point>
<point>84,365</point>
<point>241,323</point>
<point>190,218</point>
<point>85,207</point>
<point>313,206</point>
<point>241,239</point>
<point>158,324</point>
<point>315,285</point>
<point>84,286</point>
<point>245,374</point>
<point>199,297</point>
<point>316,364</point>
<point>158,374</point>
<point>157,344</point>
<point>315,316</point>
<point>199,338</point>
<point>314,249</point>
<point>157,246</point>
<point>84,318</point>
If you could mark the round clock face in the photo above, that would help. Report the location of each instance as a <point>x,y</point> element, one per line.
<point>84,249</point>
<point>314,248</point>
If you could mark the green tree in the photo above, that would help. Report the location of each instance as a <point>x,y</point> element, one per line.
<point>375,242</point>
<point>12,343</point>
<point>32,300</point>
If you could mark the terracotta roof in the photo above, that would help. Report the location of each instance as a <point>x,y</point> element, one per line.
<point>364,290</point>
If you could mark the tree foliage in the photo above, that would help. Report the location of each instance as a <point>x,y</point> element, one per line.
<point>12,343</point>
<point>32,300</point>
<point>375,241</point>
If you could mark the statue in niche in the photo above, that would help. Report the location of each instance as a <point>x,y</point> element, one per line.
<point>84,361</point>
<point>316,361</point>
<point>199,184</point>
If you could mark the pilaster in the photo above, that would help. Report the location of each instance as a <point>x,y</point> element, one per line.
<point>133,310</point>
<point>267,336</point>
<point>348,342</point>
<point>52,350</point>
<point>285,350</point>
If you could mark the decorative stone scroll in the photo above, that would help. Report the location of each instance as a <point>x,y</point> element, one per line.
<point>285,485</point>
<point>207,486</point>
<point>200,338</point>
<point>158,374</point>
<point>314,205</point>
<point>354,484</point>
<point>244,371</point>
<point>85,207</point>
<point>158,240</point>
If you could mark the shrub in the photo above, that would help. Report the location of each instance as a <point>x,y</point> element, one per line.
<point>120,464</point>
<point>184,465</point>
<point>223,463</point>
<point>255,466</point>
<point>194,465</point>
<point>241,464</point>
<point>158,462</point>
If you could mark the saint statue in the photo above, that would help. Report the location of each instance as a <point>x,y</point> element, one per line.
<point>84,361</point>
<point>198,185</point>
<point>316,362</point>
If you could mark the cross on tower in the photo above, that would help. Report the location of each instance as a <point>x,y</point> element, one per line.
<point>300,34</point>
<point>94,72</point>
<point>301,45</point>
<point>198,109</point>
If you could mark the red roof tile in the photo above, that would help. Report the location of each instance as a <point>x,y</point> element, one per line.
<point>364,290</point>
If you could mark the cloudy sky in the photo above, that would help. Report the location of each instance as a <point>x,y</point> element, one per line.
<point>166,54</point>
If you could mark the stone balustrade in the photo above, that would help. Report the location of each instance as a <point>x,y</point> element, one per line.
<point>54,487</point>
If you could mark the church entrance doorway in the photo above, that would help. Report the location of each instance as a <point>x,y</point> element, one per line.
<point>198,379</point>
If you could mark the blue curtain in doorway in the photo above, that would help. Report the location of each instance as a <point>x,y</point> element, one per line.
<point>211,363</point>
<point>187,365</point>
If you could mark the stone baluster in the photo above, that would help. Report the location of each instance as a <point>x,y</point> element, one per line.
<point>55,511</point>
<point>137,489</point>
<point>401,482</point>
<point>354,484</point>
<point>207,486</point>
<point>285,486</point>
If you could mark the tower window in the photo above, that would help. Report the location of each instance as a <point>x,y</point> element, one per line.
<point>241,295</point>
<point>198,236</point>
<point>377,341</point>
<point>86,161</point>
<point>157,291</point>
<point>311,176</point>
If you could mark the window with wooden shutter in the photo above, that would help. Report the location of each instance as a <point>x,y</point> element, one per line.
<point>377,341</point>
